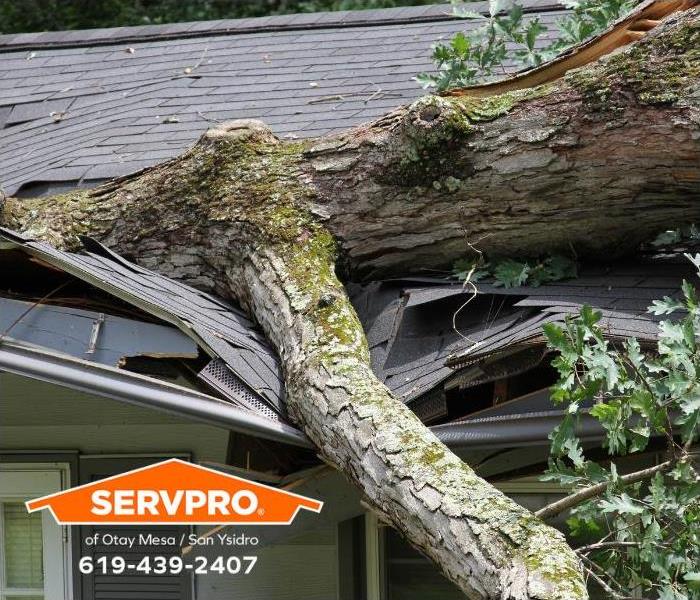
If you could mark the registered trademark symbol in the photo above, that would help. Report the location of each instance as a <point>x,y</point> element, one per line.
<point>261,512</point>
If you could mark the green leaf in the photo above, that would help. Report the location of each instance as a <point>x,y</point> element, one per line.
<point>690,425</point>
<point>553,268</point>
<point>604,412</point>
<point>463,13</point>
<point>602,365</point>
<point>426,81</point>
<point>589,317</point>
<point>692,579</point>
<point>510,273</point>
<point>622,504</point>
<point>580,527</point>
<point>562,435</point>
<point>665,306</point>
<point>671,333</point>
<point>460,44</point>
<point>572,448</point>
<point>690,403</point>
<point>639,437</point>
<point>459,9</point>
<point>558,339</point>
<point>634,352</point>
<point>689,294</point>
<point>532,32</point>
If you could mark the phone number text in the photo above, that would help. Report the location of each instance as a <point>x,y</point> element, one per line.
<point>167,565</point>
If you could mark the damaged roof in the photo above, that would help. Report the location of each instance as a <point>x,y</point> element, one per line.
<point>243,367</point>
<point>418,350</point>
<point>78,107</point>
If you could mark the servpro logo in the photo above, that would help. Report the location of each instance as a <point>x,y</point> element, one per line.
<point>174,492</point>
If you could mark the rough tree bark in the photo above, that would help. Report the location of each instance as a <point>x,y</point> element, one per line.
<point>596,161</point>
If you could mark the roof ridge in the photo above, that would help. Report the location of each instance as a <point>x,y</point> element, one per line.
<point>292,22</point>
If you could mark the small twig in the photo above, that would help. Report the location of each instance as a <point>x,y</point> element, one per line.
<point>605,546</point>
<point>209,119</point>
<point>326,99</point>
<point>555,508</point>
<point>606,588</point>
<point>604,584</point>
<point>30,309</point>
<point>376,93</point>
<point>201,58</point>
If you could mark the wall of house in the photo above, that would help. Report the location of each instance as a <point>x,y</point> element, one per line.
<point>39,416</point>
<point>302,567</point>
<point>302,563</point>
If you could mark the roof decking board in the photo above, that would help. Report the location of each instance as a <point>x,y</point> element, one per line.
<point>224,329</point>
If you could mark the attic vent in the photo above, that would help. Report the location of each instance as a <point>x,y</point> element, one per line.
<point>220,377</point>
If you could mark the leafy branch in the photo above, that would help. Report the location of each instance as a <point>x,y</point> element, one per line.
<point>479,54</point>
<point>647,523</point>
<point>556,508</point>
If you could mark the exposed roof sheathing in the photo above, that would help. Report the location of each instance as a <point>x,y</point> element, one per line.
<point>84,106</point>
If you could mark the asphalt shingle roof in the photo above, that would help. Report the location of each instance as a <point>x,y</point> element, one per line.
<point>84,106</point>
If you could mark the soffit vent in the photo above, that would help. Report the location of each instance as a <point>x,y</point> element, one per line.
<point>221,378</point>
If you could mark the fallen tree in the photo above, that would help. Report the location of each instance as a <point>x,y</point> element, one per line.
<point>595,161</point>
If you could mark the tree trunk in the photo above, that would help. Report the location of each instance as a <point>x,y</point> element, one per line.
<point>596,161</point>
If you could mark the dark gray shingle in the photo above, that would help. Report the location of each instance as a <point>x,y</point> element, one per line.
<point>117,85</point>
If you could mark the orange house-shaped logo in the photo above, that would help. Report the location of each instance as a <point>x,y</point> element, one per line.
<point>174,492</point>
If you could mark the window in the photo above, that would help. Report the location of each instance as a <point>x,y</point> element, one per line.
<point>33,551</point>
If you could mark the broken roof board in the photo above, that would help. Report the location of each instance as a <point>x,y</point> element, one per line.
<point>222,330</point>
<point>91,105</point>
<point>91,335</point>
<point>415,349</point>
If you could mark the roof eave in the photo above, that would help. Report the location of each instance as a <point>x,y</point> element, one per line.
<point>142,391</point>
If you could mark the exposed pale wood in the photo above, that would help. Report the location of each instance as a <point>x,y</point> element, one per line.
<point>620,34</point>
<point>644,24</point>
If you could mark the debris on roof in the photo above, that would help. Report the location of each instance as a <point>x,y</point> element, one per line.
<point>422,355</point>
